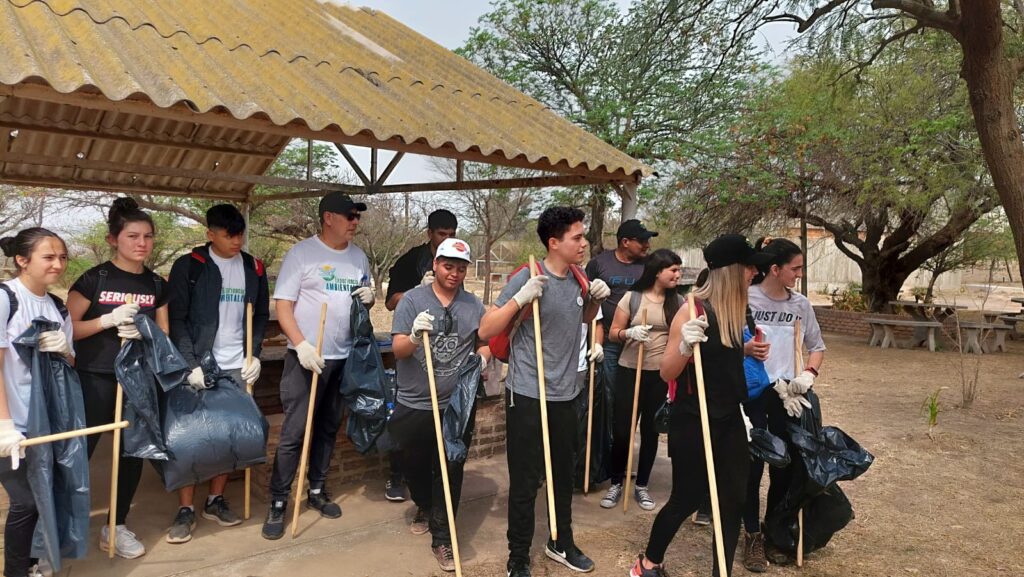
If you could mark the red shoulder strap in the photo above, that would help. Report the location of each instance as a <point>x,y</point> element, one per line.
<point>198,257</point>
<point>581,277</point>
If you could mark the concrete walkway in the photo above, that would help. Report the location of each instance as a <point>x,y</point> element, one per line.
<point>371,538</point>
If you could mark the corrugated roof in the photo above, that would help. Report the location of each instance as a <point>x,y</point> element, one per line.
<point>325,64</point>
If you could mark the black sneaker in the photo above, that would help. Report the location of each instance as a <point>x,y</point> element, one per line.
<point>572,557</point>
<point>445,557</point>
<point>218,511</point>
<point>181,529</point>
<point>322,502</point>
<point>516,568</point>
<point>638,569</point>
<point>273,527</point>
<point>702,519</point>
<point>394,490</point>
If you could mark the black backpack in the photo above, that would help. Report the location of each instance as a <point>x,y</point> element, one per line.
<point>61,308</point>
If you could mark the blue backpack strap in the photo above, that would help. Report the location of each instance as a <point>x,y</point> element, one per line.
<point>59,303</point>
<point>13,299</point>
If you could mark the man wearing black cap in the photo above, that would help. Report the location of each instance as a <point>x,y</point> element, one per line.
<point>326,268</point>
<point>619,269</point>
<point>415,267</point>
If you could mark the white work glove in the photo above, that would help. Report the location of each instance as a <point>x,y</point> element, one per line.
<point>119,316</point>
<point>251,370</point>
<point>428,278</point>
<point>746,423</point>
<point>424,322</point>
<point>54,342</point>
<point>599,290</point>
<point>10,440</point>
<point>196,379</point>
<point>365,294</point>
<point>693,333</point>
<point>308,357</point>
<point>640,333</point>
<point>129,331</point>
<point>794,404</point>
<point>801,384</point>
<point>596,354</point>
<point>531,291</point>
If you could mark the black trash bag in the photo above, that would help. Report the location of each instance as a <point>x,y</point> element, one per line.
<point>825,514</point>
<point>768,448</point>
<point>601,435</point>
<point>141,366</point>
<point>385,442</point>
<point>211,432</point>
<point>829,455</point>
<point>456,416</point>
<point>363,383</point>
<point>58,472</point>
<point>663,418</point>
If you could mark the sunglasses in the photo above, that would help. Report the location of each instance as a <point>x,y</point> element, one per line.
<point>354,216</point>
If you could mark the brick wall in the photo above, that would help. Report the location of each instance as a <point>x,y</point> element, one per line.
<point>348,466</point>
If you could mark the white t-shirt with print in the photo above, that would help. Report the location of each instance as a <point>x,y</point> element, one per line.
<point>585,342</point>
<point>229,344</point>
<point>17,375</point>
<point>313,273</point>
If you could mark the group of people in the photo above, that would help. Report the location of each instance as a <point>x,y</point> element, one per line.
<point>202,307</point>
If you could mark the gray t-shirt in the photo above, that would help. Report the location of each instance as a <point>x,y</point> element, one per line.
<point>620,277</point>
<point>778,321</point>
<point>561,312</point>
<point>452,342</point>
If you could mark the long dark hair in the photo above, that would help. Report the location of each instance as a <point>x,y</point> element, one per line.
<point>781,250</point>
<point>656,262</point>
<point>125,210</point>
<point>24,243</point>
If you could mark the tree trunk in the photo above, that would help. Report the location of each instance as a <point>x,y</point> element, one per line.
<point>598,207</point>
<point>882,281</point>
<point>929,294</point>
<point>990,79</point>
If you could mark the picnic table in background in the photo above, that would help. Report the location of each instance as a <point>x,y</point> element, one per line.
<point>925,313</point>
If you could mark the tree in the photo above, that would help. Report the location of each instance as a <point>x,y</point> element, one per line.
<point>174,237</point>
<point>987,241</point>
<point>889,165</point>
<point>20,208</point>
<point>385,234</point>
<point>642,81</point>
<point>986,35</point>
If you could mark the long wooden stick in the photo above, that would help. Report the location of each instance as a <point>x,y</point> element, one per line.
<point>441,454</point>
<point>590,407</point>
<point>248,388</point>
<point>632,421</point>
<point>72,434</point>
<point>115,462</point>
<point>798,358</point>
<point>304,459</point>
<point>541,387</point>
<point>705,429</point>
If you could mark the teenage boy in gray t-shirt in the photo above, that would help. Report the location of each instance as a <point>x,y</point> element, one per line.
<point>449,316</point>
<point>564,304</point>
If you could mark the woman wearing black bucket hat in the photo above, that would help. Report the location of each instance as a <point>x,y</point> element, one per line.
<point>721,310</point>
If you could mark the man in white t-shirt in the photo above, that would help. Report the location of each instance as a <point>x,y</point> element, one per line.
<point>208,292</point>
<point>326,268</point>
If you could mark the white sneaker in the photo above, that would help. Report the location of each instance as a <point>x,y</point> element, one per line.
<point>612,496</point>
<point>126,544</point>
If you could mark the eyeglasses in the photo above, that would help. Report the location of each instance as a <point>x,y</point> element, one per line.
<point>354,216</point>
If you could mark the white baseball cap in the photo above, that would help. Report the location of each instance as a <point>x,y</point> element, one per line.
<point>454,248</point>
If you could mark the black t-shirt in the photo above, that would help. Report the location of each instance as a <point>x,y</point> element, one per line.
<point>409,269</point>
<point>105,293</point>
<point>725,383</point>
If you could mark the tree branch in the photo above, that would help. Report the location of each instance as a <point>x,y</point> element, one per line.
<point>923,12</point>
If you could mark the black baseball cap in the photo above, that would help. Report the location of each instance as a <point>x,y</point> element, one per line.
<point>633,229</point>
<point>733,249</point>
<point>340,203</point>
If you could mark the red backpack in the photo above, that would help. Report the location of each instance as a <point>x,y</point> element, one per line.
<point>501,344</point>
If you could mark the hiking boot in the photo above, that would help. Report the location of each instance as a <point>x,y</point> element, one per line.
<point>753,552</point>
<point>638,569</point>
<point>420,522</point>
<point>126,544</point>
<point>394,490</point>
<point>612,496</point>
<point>218,510</point>
<point>702,519</point>
<point>321,501</point>
<point>517,568</point>
<point>571,557</point>
<point>273,527</point>
<point>643,498</point>
<point>184,523</point>
<point>445,557</point>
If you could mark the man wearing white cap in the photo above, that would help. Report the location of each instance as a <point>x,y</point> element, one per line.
<point>449,316</point>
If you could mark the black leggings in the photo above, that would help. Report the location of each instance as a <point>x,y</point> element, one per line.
<point>690,481</point>
<point>21,519</point>
<point>652,397</point>
<point>765,412</point>
<point>99,392</point>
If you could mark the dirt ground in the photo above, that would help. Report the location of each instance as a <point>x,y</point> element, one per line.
<point>943,506</point>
